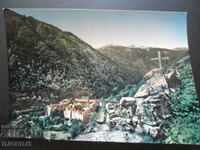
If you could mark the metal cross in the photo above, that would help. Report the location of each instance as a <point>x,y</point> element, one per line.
<point>159,58</point>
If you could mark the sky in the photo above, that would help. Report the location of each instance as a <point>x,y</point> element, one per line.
<point>118,27</point>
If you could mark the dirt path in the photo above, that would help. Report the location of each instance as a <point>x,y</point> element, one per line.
<point>105,135</point>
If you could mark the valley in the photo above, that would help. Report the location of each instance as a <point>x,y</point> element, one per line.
<point>51,73</point>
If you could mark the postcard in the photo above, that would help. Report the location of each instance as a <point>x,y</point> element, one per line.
<point>100,75</point>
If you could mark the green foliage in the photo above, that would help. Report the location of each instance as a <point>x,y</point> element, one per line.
<point>123,91</point>
<point>91,122</point>
<point>37,131</point>
<point>53,123</point>
<point>103,106</point>
<point>182,131</point>
<point>147,139</point>
<point>184,126</point>
<point>76,128</point>
<point>44,58</point>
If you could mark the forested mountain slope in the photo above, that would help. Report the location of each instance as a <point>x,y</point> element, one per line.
<point>47,62</point>
<point>137,60</point>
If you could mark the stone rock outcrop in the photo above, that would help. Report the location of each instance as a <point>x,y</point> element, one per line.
<point>106,135</point>
<point>150,105</point>
<point>150,74</point>
<point>171,78</point>
<point>56,135</point>
<point>146,111</point>
<point>149,115</point>
<point>157,83</point>
<point>100,118</point>
<point>118,117</point>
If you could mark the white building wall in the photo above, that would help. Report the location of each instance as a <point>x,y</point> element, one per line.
<point>76,115</point>
<point>67,114</point>
<point>48,113</point>
<point>73,115</point>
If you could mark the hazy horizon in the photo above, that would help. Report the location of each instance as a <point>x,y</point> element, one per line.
<point>118,27</point>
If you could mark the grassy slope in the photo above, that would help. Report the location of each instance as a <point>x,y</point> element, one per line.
<point>184,126</point>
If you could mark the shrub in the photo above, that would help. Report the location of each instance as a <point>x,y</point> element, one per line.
<point>184,126</point>
<point>75,128</point>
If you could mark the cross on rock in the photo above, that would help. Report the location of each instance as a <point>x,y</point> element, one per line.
<point>159,58</point>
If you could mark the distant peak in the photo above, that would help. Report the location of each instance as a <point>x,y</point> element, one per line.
<point>181,48</point>
<point>110,46</point>
<point>10,12</point>
<point>138,46</point>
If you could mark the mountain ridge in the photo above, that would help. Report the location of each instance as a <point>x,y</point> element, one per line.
<point>45,59</point>
<point>138,60</point>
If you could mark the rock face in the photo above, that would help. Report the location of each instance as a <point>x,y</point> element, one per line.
<point>55,135</point>
<point>100,118</point>
<point>103,134</point>
<point>118,117</point>
<point>155,84</point>
<point>145,112</point>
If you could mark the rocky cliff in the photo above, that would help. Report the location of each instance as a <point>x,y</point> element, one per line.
<point>146,111</point>
<point>143,116</point>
